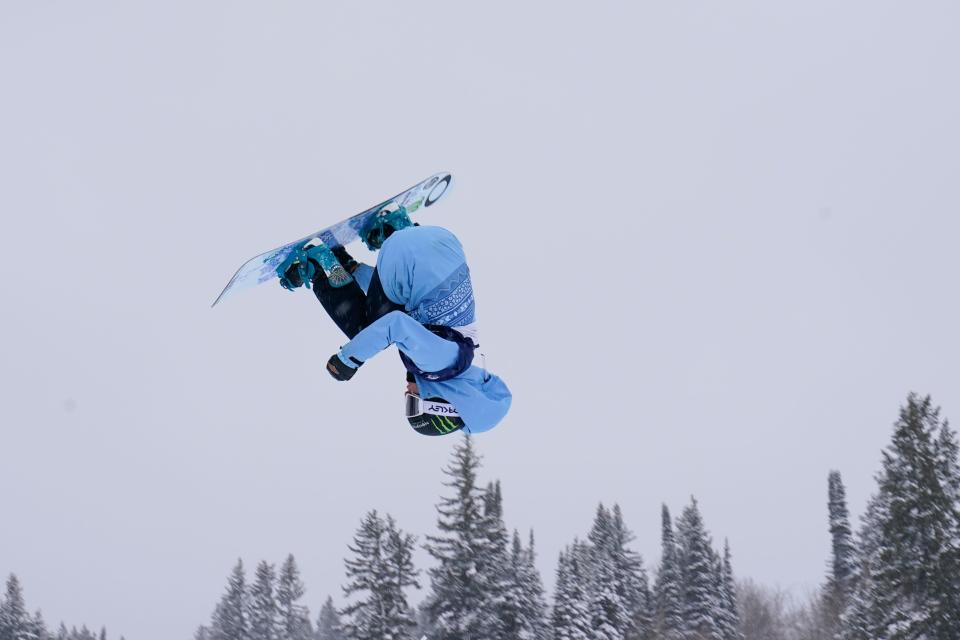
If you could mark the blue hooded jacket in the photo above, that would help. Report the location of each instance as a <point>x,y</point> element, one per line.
<point>425,270</point>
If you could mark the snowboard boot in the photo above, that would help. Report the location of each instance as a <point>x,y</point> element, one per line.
<point>316,251</point>
<point>300,267</point>
<point>392,217</point>
<point>347,260</point>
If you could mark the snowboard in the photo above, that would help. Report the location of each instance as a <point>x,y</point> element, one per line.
<point>263,267</point>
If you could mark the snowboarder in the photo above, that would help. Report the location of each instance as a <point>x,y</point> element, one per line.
<point>418,297</point>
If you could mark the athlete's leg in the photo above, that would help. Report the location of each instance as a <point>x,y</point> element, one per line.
<point>346,305</point>
<point>378,304</point>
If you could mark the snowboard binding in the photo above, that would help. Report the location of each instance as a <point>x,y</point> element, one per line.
<point>392,217</point>
<point>302,265</point>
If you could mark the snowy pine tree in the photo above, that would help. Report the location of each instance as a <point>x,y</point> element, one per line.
<point>229,620</point>
<point>570,618</point>
<point>697,571</point>
<point>948,473</point>
<point>83,634</point>
<point>38,628</point>
<point>363,616</point>
<point>843,561</point>
<point>533,592</point>
<point>400,575</point>
<point>601,532</point>
<point>609,618</point>
<point>424,624</point>
<point>329,626</point>
<point>728,616</point>
<point>909,586</point>
<point>522,613</point>
<point>497,610</point>
<point>862,615</point>
<point>262,604</point>
<point>294,617</point>
<point>631,578</point>
<point>15,623</point>
<point>857,621</point>
<point>378,573</point>
<point>608,603</point>
<point>455,583</point>
<point>948,462</point>
<point>667,592</point>
<point>620,580</point>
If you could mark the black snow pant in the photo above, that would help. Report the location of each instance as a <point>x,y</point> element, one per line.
<point>349,307</point>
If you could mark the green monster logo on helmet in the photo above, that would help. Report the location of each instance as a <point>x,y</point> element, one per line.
<point>432,416</point>
<point>392,217</point>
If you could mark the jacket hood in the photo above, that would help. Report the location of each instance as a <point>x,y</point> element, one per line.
<point>482,398</point>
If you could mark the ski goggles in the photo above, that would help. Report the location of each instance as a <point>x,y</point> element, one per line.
<point>417,406</point>
<point>433,417</point>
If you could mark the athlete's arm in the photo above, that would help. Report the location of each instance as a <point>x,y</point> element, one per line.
<point>428,351</point>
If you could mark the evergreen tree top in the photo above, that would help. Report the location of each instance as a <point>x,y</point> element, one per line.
<point>666,526</point>
<point>601,531</point>
<point>843,551</point>
<point>290,587</point>
<point>378,572</point>
<point>698,562</point>
<point>908,585</point>
<point>263,623</point>
<point>329,626</point>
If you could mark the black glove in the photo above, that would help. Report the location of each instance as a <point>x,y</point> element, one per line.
<point>347,261</point>
<point>339,370</point>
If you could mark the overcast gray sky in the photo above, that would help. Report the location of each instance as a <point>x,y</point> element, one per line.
<point>714,245</point>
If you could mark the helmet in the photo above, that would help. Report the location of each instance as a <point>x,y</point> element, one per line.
<point>433,416</point>
<point>378,227</point>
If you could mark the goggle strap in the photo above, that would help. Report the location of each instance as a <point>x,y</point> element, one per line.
<point>439,409</point>
<point>417,406</point>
